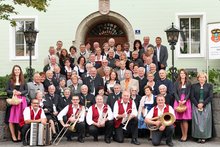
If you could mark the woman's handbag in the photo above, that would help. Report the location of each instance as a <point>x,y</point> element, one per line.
<point>181,108</point>
<point>14,100</point>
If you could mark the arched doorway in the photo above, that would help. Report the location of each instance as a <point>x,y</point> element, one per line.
<point>94,19</point>
<point>101,32</point>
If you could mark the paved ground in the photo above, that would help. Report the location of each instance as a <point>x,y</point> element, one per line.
<point>144,143</point>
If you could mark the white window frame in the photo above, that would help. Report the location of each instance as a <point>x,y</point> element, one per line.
<point>203,43</point>
<point>12,55</point>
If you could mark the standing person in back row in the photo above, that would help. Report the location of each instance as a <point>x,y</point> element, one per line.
<point>161,53</point>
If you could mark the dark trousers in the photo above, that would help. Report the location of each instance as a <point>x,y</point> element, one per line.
<point>24,129</point>
<point>107,130</point>
<point>159,67</point>
<point>80,130</point>
<point>158,135</point>
<point>132,128</point>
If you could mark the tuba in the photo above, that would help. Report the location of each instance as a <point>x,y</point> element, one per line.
<point>167,119</point>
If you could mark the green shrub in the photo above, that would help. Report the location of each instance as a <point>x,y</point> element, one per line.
<point>3,82</point>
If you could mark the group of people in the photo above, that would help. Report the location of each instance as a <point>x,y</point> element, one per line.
<point>112,91</point>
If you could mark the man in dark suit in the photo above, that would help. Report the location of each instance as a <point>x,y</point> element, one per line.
<point>64,101</point>
<point>161,53</point>
<point>163,80</point>
<point>113,97</point>
<point>93,81</point>
<point>86,99</point>
<point>57,75</point>
<point>49,80</point>
<point>50,107</point>
<point>142,80</point>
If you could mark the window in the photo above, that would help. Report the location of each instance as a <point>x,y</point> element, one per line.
<point>19,49</point>
<point>192,36</point>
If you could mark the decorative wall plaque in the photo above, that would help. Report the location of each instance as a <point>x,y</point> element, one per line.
<point>104,6</point>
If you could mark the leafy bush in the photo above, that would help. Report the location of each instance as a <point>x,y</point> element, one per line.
<point>3,82</point>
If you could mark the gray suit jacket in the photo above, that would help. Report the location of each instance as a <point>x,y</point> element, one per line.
<point>75,91</point>
<point>163,54</point>
<point>120,77</point>
<point>33,88</point>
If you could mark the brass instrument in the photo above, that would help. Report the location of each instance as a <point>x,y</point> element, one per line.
<point>72,125</point>
<point>126,120</point>
<point>167,119</point>
<point>103,116</point>
<point>65,129</point>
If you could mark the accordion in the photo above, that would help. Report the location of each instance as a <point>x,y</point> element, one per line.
<point>40,134</point>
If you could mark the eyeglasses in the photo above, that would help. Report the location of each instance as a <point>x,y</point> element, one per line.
<point>36,103</point>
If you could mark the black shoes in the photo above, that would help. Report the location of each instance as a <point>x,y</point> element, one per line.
<point>54,135</point>
<point>69,139</point>
<point>201,141</point>
<point>108,140</point>
<point>96,138</point>
<point>169,143</point>
<point>25,143</point>
<point>135,141</point>
<point>81,140</point>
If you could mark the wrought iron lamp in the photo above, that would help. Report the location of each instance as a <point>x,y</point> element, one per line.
<point>30,37</point>
<point>172,38</point>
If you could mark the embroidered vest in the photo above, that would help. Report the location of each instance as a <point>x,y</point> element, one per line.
<point>121,111</point>
<point>155,114</point>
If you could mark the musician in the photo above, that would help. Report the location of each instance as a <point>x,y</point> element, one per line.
<point>125,110</point>
<point>156,111</point>
<point>50,107</point>
<point>100,119</point>
<point>75,114</point>
<point>31,114</point>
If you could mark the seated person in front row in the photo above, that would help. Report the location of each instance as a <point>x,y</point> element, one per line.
<point>31,114</point>
<point>100,119</point>
<point>125,111</point>
<point>167,131</point>
<point>75,114</point>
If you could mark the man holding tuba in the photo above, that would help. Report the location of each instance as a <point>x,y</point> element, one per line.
<point>100,119</point>
<point>125,117</point>
<point>75,119</point>
<point>161,116</point>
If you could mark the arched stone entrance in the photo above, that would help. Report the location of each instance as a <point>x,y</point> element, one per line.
<point>94,19</point>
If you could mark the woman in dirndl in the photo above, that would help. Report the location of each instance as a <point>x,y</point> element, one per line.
<point>182,88</point>
<point>201,97</point>
<point>17,87</point>
<point>146,103</point>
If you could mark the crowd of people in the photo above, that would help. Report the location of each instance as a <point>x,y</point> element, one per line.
<point>113,90</point>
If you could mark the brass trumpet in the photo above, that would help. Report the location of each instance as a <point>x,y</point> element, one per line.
<point>126,120</point>
<point>167,119</point>
<point>103,116</point>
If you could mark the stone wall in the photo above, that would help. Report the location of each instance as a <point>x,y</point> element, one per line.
<point>216,114</point>
<point>4,130</point>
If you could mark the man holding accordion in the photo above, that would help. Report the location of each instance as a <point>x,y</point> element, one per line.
<point>100,119</point>
<point>31,114</point>
<point>125,117</point>
<point>75,116</point>
<point>160,120</point>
